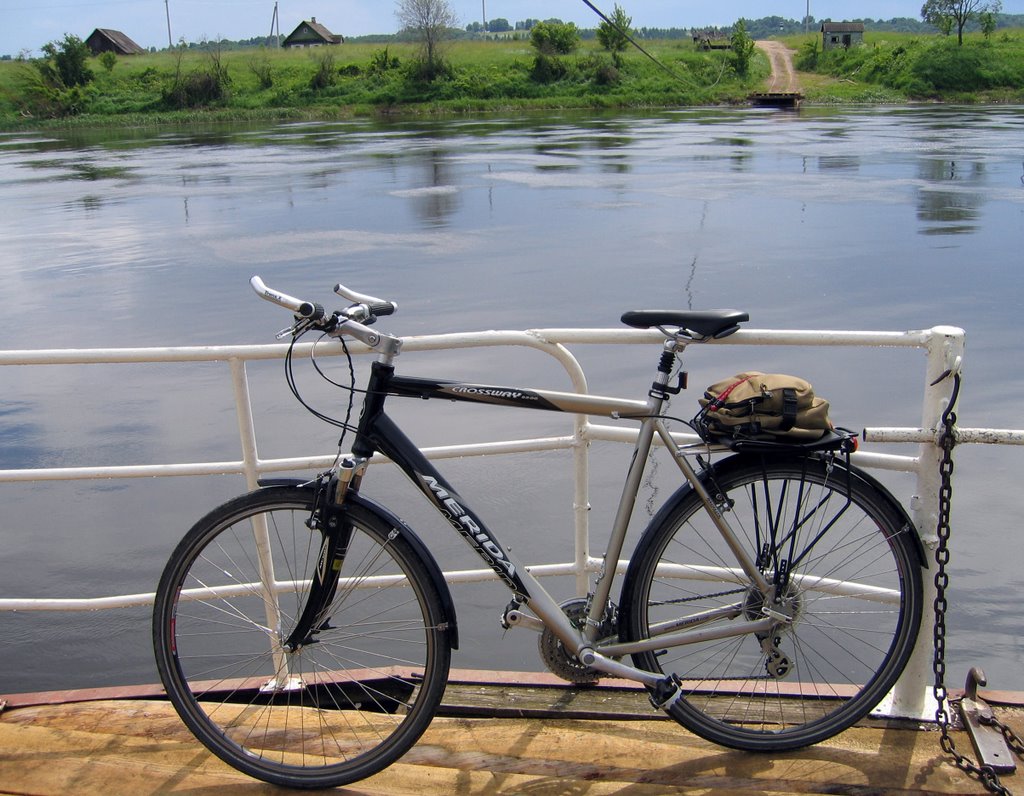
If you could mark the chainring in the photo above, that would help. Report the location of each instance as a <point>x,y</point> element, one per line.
<point>558,659</point>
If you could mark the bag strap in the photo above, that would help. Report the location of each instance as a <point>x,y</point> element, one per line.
<point>719,402</point>
<point>788,409</point>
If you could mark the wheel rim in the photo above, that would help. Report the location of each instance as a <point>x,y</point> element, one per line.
<point>852,623</point>
<point>332,711</point>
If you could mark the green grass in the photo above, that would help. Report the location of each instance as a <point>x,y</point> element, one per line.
<point>893,67</point>
<point>358,79</point>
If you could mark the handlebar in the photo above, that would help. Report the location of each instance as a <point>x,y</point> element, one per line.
<point>349,321</point>
<point>304,309</point>
<point>376,306</point>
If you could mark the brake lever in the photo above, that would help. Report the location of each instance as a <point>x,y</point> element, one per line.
<point>301,326</point>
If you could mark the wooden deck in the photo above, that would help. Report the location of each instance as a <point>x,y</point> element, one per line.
<point>525,736</point>
<point>777,99</point>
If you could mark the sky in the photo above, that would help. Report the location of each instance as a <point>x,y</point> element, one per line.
<point>29,24</point>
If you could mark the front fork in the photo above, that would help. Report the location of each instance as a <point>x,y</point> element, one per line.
<point>328,518</point>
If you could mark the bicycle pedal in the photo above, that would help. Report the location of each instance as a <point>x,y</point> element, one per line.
<point>665,693</point>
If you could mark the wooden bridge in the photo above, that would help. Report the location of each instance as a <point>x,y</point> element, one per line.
<point>782,89</point>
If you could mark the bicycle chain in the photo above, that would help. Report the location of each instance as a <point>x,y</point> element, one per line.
<point>985,774</point>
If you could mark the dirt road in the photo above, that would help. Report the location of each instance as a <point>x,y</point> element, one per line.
<point>783,77</point>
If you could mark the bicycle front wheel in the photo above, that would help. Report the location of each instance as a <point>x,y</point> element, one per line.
<point>346,703</point>
<point>846,570</point>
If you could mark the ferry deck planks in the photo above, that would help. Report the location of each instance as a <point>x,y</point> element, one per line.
<point>139,746</point>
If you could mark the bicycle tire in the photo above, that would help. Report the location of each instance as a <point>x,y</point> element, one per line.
<point>855,593</point>
<point>334,711</point>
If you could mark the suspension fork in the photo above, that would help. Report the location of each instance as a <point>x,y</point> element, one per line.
<point>328,516</point>
<point>336,536</point>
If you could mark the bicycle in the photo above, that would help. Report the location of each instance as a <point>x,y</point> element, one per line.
<point>304,632</point>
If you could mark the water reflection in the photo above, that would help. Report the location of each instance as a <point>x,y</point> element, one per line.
<point>848,163</point>
<point>829,218</point>
<point>438,197</point>
<point>950,202</point>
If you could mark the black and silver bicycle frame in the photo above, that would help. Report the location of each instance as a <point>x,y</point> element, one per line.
<point>377,432</point>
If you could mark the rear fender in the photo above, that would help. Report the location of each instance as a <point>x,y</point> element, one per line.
<point>723,466</point>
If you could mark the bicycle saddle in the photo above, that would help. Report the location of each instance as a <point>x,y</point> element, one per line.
<point>704,323</point>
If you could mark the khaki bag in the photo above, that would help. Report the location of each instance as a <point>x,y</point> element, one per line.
<point>755,405</point>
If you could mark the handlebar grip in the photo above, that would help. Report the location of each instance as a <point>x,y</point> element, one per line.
<point>382,308</point>
<point>304,309</point>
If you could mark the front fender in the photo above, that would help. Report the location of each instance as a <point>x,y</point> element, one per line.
<point>410,536</point>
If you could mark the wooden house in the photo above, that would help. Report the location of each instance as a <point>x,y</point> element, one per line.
<point>311,34</point>
<point>711,39</point>
<point>104,40</point>
<point>835,35</point>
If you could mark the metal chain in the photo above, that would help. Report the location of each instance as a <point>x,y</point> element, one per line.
<point>985,774</point>
<point>1012,739</point>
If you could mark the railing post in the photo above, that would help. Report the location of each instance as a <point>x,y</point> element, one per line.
<point>581,506</point>
<point>261,533</point>
<point>912,697</point>
<point>246,423</point>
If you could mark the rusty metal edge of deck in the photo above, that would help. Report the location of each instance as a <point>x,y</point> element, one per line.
<point>457,677</point>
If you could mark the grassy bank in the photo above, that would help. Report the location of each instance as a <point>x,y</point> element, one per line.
<point>898,67</point>
<point>355,79</point>
<point>504,75</point>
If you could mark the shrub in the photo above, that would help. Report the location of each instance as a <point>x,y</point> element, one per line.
<point>952,69</point>
<point>65,63</point>
<point>548,69</point>
<point>554,38</point>
<point>108,60</point>
<point>202,87</point>
<point>58,84</point>
<point>381,61</point>
<point>324,76</point>
<point>259,65</point>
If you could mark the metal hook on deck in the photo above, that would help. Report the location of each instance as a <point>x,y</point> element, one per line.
<point>980,723</point>
<point>975,677</point>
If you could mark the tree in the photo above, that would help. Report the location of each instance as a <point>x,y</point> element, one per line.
<point>988,23</point>
<point>943,14</point>
<point>65,64</point>
<point>742,48</point>
<point>614,35</point>
<point>554,38</point>
<point>431,21</point>
<point>108,60</point>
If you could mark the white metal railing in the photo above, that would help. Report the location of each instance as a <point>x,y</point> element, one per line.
<point>942,345</point>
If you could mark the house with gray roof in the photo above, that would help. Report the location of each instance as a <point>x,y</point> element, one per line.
<point>104,40</point>
<point>311,34</point>
<point>836,35</point>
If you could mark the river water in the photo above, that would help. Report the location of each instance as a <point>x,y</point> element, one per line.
<point>873,219</point>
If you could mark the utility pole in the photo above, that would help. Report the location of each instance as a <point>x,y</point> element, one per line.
<point>167,8</point>
<point>483,4</point>
<point>807,19</point>
<point>275,22</point>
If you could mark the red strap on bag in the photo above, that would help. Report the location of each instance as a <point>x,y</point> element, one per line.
<point>719,402</point>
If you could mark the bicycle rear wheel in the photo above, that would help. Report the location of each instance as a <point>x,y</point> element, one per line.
<point>850,570</point>
<point>337,709</point>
